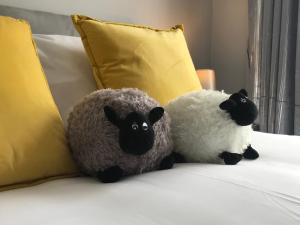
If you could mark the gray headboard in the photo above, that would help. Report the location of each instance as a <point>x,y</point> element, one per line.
<point>42,22</point>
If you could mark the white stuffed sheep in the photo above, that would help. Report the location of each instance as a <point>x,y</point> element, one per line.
<point>211,126</point>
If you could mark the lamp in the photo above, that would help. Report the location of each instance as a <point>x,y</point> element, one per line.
<point>207,78</point>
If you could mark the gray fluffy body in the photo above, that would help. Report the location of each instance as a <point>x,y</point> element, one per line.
<point>94,140</point>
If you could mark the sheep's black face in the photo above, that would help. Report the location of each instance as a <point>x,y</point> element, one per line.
<point>136,135</point>
<point>242,110</point>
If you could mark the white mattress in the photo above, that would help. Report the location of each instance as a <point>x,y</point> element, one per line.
<point>265,191</point>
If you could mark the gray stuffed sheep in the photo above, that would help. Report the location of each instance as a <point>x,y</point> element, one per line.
<point>211,126</point>
<point>114,133</point>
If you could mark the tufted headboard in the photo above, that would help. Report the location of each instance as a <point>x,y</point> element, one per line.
<point>42,22</point>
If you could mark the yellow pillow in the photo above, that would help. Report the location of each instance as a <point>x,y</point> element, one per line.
<point>32,139</point>
<point>123,55</point>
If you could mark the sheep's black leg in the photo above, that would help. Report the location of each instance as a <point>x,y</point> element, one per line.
<point>178,158</point>
<point>167,162</point>
<point>250,153</point>
<point>230,158</point>
<point>110,175</point>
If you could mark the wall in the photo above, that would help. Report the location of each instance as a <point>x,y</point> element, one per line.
<point>216,30</point>
<point>229,43</point>
<point>194,14</point>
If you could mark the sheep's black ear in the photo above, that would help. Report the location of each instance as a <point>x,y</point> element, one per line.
<point>112,116</point>
<point>155,114</point>
<point>244,92</point>
<point>227,105</point>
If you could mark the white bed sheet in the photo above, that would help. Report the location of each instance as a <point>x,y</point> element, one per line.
<point>265,191</point>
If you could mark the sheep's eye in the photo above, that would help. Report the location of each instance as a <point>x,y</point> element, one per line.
<point>135,126</point>
<point>145,126</point>
<point>243,100</point>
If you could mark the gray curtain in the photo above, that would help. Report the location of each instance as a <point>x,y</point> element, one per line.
<point>274,60</point>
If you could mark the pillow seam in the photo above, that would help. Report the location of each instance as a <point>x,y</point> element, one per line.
<point>84,38</point>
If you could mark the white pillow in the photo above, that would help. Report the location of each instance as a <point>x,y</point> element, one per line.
<point>67,69</point>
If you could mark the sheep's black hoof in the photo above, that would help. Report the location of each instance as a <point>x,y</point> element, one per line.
<point>110,175</point>
<point>167,162</point>
<point>250,153</point>
<point>178,158</point>
<point>230,158</point>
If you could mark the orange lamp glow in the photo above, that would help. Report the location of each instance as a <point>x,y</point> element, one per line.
<point>207,78</point>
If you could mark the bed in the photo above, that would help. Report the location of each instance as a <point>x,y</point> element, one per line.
<point>265,191</point>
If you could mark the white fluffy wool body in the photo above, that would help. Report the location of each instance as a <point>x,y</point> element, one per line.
<point>201,130</point>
